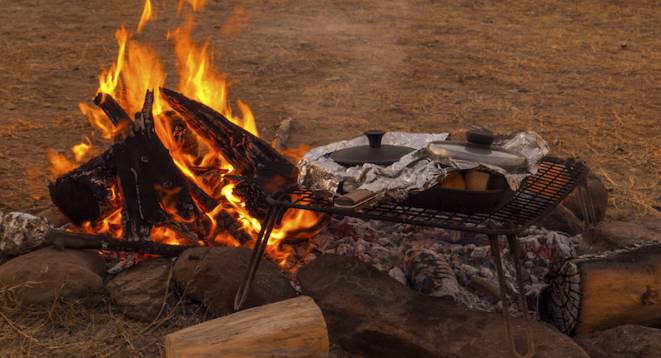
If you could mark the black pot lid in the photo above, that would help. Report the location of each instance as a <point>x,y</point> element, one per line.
<point>374,153</point>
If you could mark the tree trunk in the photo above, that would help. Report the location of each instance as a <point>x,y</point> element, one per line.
<point>602,291</point>
<point>291,328</point>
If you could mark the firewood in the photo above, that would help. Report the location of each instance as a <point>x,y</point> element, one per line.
<point>602,291</point>
<point>281,136</point>
<point>80,241</point>
<point>249,155</point>
<point>150,180</point>
<point>291,328</point>
<point>112,109</point>
<point>84,193</point>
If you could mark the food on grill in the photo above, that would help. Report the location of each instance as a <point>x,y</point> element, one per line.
<point>477,180</point>
<point>454,180</point>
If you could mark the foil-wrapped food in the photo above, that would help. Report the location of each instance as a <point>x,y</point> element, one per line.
<point>416,171</point>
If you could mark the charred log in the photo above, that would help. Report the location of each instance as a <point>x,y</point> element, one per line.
<point>112,109</point>
<point>248,154</point>
<point>152,186</point>
<point>72,240</point>
<point>85,193</point>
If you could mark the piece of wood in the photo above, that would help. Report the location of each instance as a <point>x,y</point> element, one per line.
<point>290,328</point>
<point>80,241</point>
<point>155,192</point>
<point>86,193</point>
<point>249,155</point>
<point>279,141</point>
<point>112,109</point>
<point>602,291</point>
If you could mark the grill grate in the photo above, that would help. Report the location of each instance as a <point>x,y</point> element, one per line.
<point>536,197</point>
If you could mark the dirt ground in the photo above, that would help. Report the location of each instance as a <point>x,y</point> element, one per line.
<point>586,75</point>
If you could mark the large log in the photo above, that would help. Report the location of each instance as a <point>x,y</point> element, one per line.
<point>291,328</point>
<point>155,192</point>
<point>602,291</point>
<point>249,155</point>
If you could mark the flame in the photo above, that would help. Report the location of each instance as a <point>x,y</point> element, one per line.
<point>196,5</point>
<point>136,69</point>
<point>146,16</point>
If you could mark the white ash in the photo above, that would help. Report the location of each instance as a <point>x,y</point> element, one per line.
<point>21,233</point>
<point>446,263</point>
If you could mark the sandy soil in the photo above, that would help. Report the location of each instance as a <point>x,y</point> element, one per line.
<point>584,75</point>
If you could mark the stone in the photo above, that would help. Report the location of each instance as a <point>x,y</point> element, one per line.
<point>628,341</point>
<point>618,234</point>
<point>44,275</point>
<point>369,313</point>
<point>564,220</point>
<point>21,233</point>
<point>590,207</point>
<point>212,276</point>
<point>144,290</point>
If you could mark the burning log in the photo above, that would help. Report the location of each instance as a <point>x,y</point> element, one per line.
<point>291,328</point>
<point>153,188</point>
<point>112,109</point>
<point>249,155</point>
<point>86,193</point>
<point>602,291</point>
<point>72,240</point>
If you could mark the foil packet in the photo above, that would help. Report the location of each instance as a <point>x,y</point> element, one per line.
<point>414,172</point>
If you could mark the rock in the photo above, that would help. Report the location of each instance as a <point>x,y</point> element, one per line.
<point>618,234</point>
<point>142,291</point>
<point>628,341</point>
<point>212,276</point>
<point>21,233</point>
<point>41,276</point>
<point>564,220</point>
<point>369,313</point>
<point>591,207</point>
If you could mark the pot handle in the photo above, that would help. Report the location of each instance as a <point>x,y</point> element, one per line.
<point>374,137</point>
<point>480,136</point>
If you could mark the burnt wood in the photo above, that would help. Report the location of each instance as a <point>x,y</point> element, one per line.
<point>149,180</point>
<point>112,109</point>
<point>248,154</point>
<point>80,241</point>
<point>84,193</point>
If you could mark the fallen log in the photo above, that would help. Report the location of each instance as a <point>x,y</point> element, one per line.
<point>598,292</point>
<point>112,109</point>
<point>80,241</point>
<point>251,156</point>
<point>291,328</point>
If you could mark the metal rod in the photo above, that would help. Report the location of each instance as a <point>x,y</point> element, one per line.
<point>523,301</point>
<point>255,258</point>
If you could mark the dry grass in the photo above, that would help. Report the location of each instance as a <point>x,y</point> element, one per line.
<point>87,328</point>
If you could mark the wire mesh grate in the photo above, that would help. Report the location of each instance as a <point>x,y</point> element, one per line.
<point>536,197</point>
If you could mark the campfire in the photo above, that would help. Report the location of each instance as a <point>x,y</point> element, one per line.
<point>183,168</point>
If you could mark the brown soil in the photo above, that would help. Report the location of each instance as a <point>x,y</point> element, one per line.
<point>585,75</point>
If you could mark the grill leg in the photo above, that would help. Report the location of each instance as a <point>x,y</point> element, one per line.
<point>258,251</point>
<point>495,251</point>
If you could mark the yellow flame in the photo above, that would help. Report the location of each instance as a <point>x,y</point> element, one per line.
<point>147,15</point>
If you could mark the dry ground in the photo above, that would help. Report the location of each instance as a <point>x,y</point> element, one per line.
<point>585,74</point>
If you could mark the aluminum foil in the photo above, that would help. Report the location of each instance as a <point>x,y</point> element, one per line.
<point>413,172</point>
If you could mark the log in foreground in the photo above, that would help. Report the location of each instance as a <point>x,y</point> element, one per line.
<point>603,291</point>
<point>250,155</point>
<point>291,328</point>
<point>79,241</point>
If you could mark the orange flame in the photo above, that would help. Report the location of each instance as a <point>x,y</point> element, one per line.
<point>136,69</point>
<point>147,15</point>
<point>196,5</point>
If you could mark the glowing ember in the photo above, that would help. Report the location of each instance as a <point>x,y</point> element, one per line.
<point>137,69</point>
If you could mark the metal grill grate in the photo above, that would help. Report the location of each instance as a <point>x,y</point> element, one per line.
<point>536,197</point>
